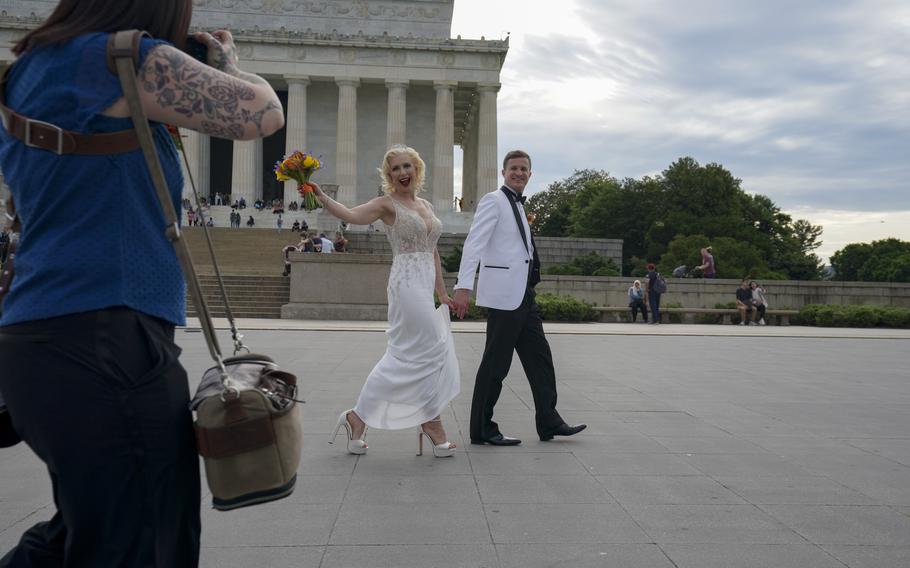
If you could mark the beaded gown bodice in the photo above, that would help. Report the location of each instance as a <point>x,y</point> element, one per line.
<point>409,233</point>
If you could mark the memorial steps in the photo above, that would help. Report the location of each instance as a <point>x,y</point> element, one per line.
<point>250,296</point>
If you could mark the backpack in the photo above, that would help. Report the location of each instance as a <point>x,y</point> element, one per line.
<point>660,285</point>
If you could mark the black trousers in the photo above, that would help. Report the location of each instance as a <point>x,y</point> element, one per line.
<point>519,330</point>
<point>639,306</point>
<point>101,398</point>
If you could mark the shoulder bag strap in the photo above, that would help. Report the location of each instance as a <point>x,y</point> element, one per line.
<point>122,51</point>
<point>7,269</point>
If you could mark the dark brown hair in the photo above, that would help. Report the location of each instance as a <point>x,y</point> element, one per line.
<point>163,19</point>
<point>516,154</point>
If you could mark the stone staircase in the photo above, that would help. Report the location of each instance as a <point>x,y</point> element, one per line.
<point>250,296</point>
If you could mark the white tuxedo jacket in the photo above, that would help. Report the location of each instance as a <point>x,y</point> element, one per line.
<point>494,242</point>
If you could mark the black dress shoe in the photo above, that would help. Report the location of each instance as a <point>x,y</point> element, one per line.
<point>497,440</point>
<point>563,430</point>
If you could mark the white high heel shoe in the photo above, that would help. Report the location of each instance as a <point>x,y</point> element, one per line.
<point>356,446</point>
<point>443,450</point>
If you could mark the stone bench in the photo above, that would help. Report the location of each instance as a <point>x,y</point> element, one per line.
<point>623,314</point>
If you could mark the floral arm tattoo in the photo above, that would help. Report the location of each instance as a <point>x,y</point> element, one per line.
<point>194,90</point>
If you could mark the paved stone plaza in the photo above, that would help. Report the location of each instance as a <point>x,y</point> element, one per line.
<point>707,446</point>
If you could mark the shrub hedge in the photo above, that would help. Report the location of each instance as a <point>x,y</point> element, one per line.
<point>824,315</point>
<point>565,308</point>
<point>552,308</point>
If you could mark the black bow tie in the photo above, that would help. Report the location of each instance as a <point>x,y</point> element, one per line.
<point>519,198</point>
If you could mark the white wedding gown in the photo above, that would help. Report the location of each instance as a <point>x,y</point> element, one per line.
<point>418,375</point>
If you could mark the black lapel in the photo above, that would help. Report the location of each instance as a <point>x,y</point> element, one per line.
<point>521,227</point>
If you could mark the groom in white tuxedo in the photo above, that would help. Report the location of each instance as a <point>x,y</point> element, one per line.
<point>500,241</point>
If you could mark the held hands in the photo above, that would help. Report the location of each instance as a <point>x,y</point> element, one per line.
<point>459,304</point>
<point>445,299</point>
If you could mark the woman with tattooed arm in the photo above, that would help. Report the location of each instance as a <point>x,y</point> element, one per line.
<point>88,364</point>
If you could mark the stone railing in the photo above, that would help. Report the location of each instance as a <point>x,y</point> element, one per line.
<point>353,287</point>
<point>703,293</point>
<point>552,250</point>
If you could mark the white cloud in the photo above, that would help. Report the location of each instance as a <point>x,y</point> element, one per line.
<point>805,102</point>
<point>845,227</point>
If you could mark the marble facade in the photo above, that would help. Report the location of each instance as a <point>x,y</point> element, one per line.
<point>356,76</point>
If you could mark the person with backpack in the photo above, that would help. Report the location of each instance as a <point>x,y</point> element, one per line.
<point>656,286</point>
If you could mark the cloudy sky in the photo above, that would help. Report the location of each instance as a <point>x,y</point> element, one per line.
<point>807,102</point>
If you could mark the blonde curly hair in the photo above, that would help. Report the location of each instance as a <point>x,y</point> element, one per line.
<point>385,172</point>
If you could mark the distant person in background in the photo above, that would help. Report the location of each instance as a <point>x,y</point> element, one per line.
<point>279,222</point>
<point>653,295</point>
<point>707,263</point>
<point>760,303</point>
<point>340,243</point>
<point>637,302</point>
<point>250,222</point>
<point>744,301</point>
<point>210,222</point>
<point>327,245</point>
<point>306,243</point>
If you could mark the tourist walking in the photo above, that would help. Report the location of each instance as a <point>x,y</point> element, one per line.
<point>501,243</point>
<point>707,263</point>
<point>90,369</point>
<point>418,376</point>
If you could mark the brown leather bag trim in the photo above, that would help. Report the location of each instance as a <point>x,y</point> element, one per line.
<point>238,438</point>
<point>46,136</point>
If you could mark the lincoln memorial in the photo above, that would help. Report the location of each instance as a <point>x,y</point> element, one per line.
<point>355,77</point>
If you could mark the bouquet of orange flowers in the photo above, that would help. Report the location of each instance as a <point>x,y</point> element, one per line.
<point>299,166</point>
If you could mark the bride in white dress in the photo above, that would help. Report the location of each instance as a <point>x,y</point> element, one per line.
<point>418,375</point>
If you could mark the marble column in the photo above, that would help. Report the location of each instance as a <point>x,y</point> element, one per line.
<point>296,126</point>
<point>190,140</point>
<point>443,182</point>
<point>246,170</point>
<point>346,152</point>
<point>469,165</point>
<point>487,159</point>
<point>397,121</point>
<point>198,150</point>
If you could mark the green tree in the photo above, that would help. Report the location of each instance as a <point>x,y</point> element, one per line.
<point>848,261</point>
<point>887,260</point>
<point>687,199</point>
<point>735,259</point>
<point>623,210</point>
<point>552,207</point>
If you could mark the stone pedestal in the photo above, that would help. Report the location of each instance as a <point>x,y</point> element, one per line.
<point>338,287</point>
